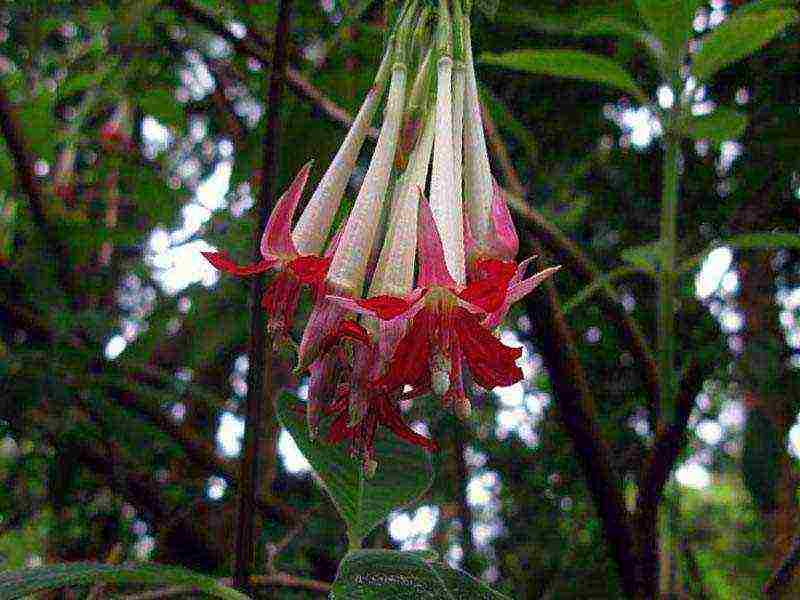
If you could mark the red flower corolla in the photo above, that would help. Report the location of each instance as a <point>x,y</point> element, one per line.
<point>444,326</point>
<point>497,254</point>
<point>357,422</point>
<point>279,253</point>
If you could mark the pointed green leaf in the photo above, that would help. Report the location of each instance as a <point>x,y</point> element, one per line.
<point>671,22</point>
<point>572,64</point>
<point>404,472</point>
<point>17,584</point>
<point>723,124</point>
<point>382,574</point>
<point>738,37</point>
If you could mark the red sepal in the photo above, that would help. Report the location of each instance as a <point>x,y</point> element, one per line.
<point>221,261</point>
<point>490,288</point>
<point>385,307</point>
<point>491,362</point>
<point>310,269</point>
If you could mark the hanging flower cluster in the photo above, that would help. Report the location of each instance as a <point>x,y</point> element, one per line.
<point>376,335</point>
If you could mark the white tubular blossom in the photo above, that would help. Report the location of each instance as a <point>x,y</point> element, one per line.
<point>446,208</point>
<point>349,265</point>
<point>314,224</point>
<point>400,248</point>
<point>477,174</point>
<point>459,88</point>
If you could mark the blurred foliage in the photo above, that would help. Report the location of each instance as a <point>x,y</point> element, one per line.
<point>113,384</point>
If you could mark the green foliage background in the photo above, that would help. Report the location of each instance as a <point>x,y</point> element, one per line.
<point>109,459</point>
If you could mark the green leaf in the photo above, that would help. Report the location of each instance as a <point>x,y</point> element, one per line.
<point>404,472</point>
<point>572,64</point>
<point>16,584</point>
<point>610,26</point>
<point>738,37</point>
<point>647,257</point>
<point>723,124</point>
<point>8,221</point>
<point>764,5</point>
<point>670,21</point>
<point>381,574</point>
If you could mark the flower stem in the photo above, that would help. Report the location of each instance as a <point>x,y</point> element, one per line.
<point>667,274</point>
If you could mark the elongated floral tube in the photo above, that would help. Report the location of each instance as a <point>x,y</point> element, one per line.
<point>446,207</point>
<point>459,89</point>
<point>314,224</point>
<point>477,174</point>
<point>395,272</point>
<point>348,268</point>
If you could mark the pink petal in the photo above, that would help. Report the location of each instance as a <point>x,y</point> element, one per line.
<point>277,238</point>
<point>432,267</point>
<point>323,321</point>
<point>507,241</point>
<point>526,286</point>
<point>221,261</point>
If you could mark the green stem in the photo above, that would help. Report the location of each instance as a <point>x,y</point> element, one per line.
<point>353,542</point>
<point>667,275</point>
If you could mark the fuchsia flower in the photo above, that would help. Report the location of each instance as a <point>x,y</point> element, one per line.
<point>279,253</point>
<point>378,407</point>
<point>444,325</point>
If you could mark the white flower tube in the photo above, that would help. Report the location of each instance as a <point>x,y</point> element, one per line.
<point>459,88</point>
<point>478,187</point>
<point>349,265</point>
<point>400,248</point>
<point>314,224</point>
<point>446,208</point>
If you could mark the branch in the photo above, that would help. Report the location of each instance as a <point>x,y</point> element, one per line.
<point>671,440</point>
<point>255,46</point>
<point>566,252</point>
<point>658,465</point>
<point>24,162</point>
<point>556,343</point>
<point>260,387</point>
<point>783,576</point>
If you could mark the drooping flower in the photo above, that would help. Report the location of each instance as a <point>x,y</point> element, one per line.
<point>348,268</point>
<point>378,408</point>
<point>279,253</point>
<point>444,327</point>
<point>298,257</point>
<point>478,182</point>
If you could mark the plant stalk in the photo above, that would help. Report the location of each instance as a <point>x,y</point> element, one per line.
<point>259,378</point>
<point>668,275</point>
